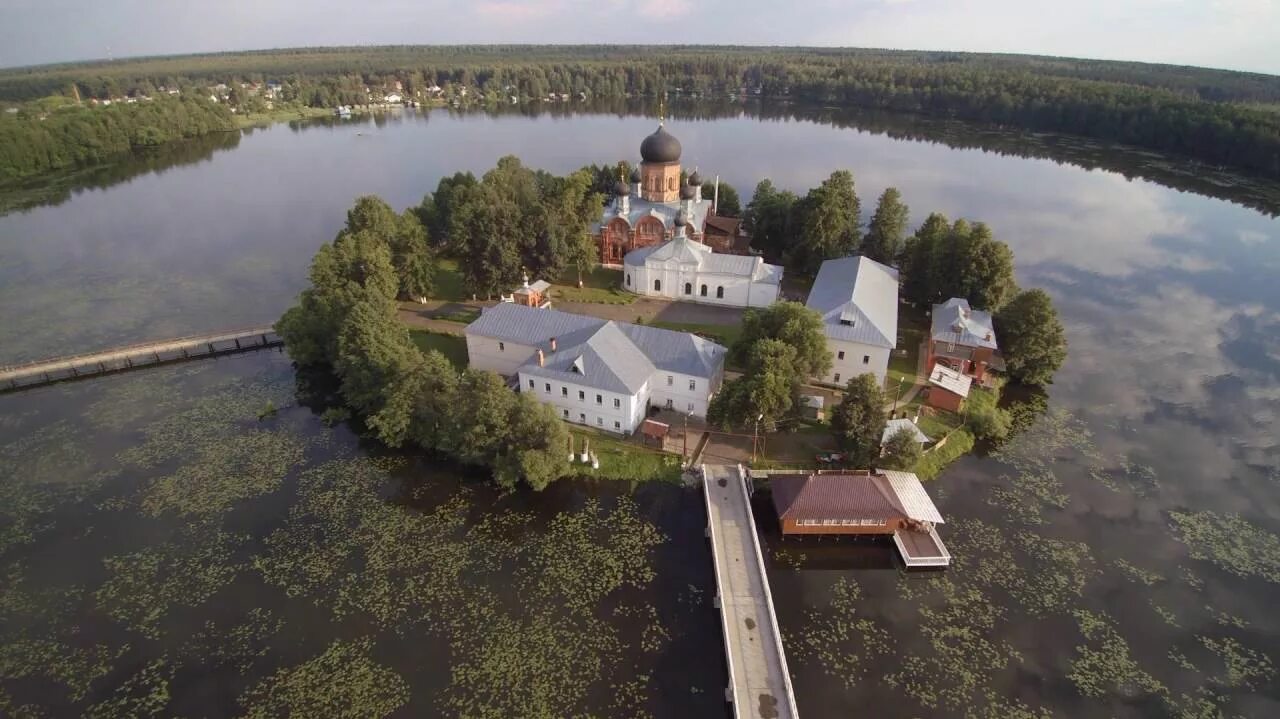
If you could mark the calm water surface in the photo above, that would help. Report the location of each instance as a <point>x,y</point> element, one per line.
<point>1121,558</point>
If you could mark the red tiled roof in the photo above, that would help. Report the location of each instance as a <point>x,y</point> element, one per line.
<point>650,428</point>
<point>724,225</point>
<point>834,496</point>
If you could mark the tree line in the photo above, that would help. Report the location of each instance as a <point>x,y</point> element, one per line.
<point>40,140</point>
<point>1195,112</point>
<point>345,322</point>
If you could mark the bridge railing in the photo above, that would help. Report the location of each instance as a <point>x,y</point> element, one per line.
<point>139,346</point>
<point>720,585</point>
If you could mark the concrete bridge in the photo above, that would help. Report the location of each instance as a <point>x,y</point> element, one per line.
<point>759,683</point>
<point>145,354</point>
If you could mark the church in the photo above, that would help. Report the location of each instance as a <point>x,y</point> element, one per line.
<point>669,241</point>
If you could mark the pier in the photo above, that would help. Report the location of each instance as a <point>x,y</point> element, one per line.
<point>136,356</point>
<point>759,683</point>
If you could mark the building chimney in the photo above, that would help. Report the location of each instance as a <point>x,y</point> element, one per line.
<point>553,344</point>
<point>542,360</point>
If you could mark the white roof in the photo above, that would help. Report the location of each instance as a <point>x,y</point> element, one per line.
<point>858,300</point>
<point>950,380</point>
<point>538,286</point>
<point>686,251</point>
<point>894,426</point>
<point>955,322</point>
<point>912,497</point>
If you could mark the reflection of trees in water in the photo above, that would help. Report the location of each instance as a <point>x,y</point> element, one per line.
<point>56,188</point>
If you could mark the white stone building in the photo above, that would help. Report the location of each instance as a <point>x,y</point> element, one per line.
<point>858,300</point>
<point>595,372</point>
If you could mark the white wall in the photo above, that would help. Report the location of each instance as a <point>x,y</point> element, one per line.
<point>738,291</point>
<point>497,356</point>
<point>682,398</point>
<point>853,365</point>
<point>564,397</point>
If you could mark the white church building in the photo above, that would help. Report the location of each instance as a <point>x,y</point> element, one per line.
<point>595,372</point>
<point>684,269</point>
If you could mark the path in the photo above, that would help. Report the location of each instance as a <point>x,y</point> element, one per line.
<point>759,684</point>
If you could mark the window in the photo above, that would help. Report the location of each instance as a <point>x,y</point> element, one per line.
<point>599,399</point>
<point>688,288</point>
<point>617,403</point>
<point>693,385</point>
<point>703,290</point>
<point>840,355</point>
<point>502,346</point>
<point>564,391</point>
<point>657,285</point>
<point>617,425</point>
<point>581,395</point>
<point>669,404</point>
<point>671,183</point>
<point>628,279</point>
<point>837,377</point>
<point>531,384</point>
<point>670,380</point>
<point>866,359</point>
<point>720,293</point>
<point>548,390</point>
<point>566,414</point>
<point>582,418</point>
<point>599,421</point>
<point>690,406</point>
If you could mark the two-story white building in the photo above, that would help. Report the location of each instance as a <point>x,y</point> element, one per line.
<point>599,373</point>
<point>858,300</point>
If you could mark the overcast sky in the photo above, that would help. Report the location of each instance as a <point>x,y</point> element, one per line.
<point>1236,34</point>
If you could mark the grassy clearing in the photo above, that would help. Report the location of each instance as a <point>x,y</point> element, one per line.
<point>453,347</point>
<point>600,286</point>
<point>449,283</point>
<point>624,460</point>
<point>936,460</point>
<point>912,325</point>
<point>282,114</point>
<point>463,316</point>
<point>724,334</point>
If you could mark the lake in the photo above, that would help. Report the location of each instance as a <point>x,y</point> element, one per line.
<point>1121,557</point>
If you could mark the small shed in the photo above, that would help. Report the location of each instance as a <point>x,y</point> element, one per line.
<point>654,432</point>
<point>948,388</point>
<point>894,426</point>
<point>813,406</point>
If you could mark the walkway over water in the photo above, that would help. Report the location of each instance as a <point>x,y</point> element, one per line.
<point>145,354</point>
<point>759,684</point>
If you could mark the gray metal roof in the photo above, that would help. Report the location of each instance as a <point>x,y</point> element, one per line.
<point>664,211</point>
<point>954,322</point>
<point>707,261</point>
<point>613,356</point>
<point>950,380</point>
<point>858,300</point>
<point>894,426</point>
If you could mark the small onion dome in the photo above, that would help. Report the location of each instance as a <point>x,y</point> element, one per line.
<point>635,175</point>
<point>661,146</point>
<point>682,218</point>
<point>688,192</point>
<point>621,189</point>
<point>695,178</point>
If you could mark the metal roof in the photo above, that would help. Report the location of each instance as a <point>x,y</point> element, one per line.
<point>613,356</point>
<point>858,300</point>
<point>911,495</point>
<point>950,380</point>
<point>638,208</point>
<point>686,251</point>
<point>833,496</point>
<point>954,322</point>
<point>894,426</point>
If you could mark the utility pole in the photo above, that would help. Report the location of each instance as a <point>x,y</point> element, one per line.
<point>896,396</point>
<point>684,453</point>
<point>755,437</point>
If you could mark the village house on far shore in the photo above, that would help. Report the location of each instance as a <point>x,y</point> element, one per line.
<point>594,372</point>
<point>858,300</point>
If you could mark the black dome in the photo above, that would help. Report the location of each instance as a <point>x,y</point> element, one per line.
<point>621,188</point>
<point>682,218</point>
<point>635,175</point>
<point>661,146</point>
<point>688,192</point>
<point>695,178</point>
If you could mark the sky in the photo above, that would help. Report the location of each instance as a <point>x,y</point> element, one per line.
<point>1233,34</point>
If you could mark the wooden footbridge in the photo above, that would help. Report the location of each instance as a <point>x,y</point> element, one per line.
<point>759,683</point>
<point>137,356</point>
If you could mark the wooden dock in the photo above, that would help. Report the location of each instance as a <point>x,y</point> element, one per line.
<point>137,356</point>
<point>759,683</point>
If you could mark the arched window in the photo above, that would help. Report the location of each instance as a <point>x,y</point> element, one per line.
<point>688,288</point>
<point>628,279</point>
<point>703,291</point>
<point>657,285</point>
<point>671,183</point>
<point>720,293</point>
<point>649,231</point>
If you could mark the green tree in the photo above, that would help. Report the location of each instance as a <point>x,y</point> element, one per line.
<point>990,423</point>
<point>769,219</point>
<point>435,211</point>
<point>982,267</point>
<point>858,421</point>
<point>901,451</point>
<point>794,325</point>
<point>766,392</point>
<point>730,203</point>
<point>888,228</point>
<point>406,239</point>
<point>828,221</point>
<point>1032,338</point>
<point>923,262</point>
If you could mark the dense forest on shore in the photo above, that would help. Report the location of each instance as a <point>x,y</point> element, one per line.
<point>1219,117</point>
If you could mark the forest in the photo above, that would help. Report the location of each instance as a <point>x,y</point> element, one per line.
<point>1221,118</point>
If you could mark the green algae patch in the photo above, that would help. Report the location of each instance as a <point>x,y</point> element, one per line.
<point>145,694</point>
<point>343,682</point>
<point>1243,667</point>
<point>1232,543</point>
<point>827,632</point>
<point>1104,663</point>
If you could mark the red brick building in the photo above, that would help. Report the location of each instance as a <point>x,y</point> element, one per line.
<point>948,389</point>
<point>963,339</point>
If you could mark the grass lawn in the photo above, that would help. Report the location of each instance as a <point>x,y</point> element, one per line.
<point>464,316</point>
<point>936,460</point>
<point>449,283</point>
<point>601,286</point>
<point>452,347</point>
<point>724,334</point>
<point>624,460</point>
<point>912,325</point>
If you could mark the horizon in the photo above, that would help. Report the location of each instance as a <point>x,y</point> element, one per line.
<point>1232,35</point>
